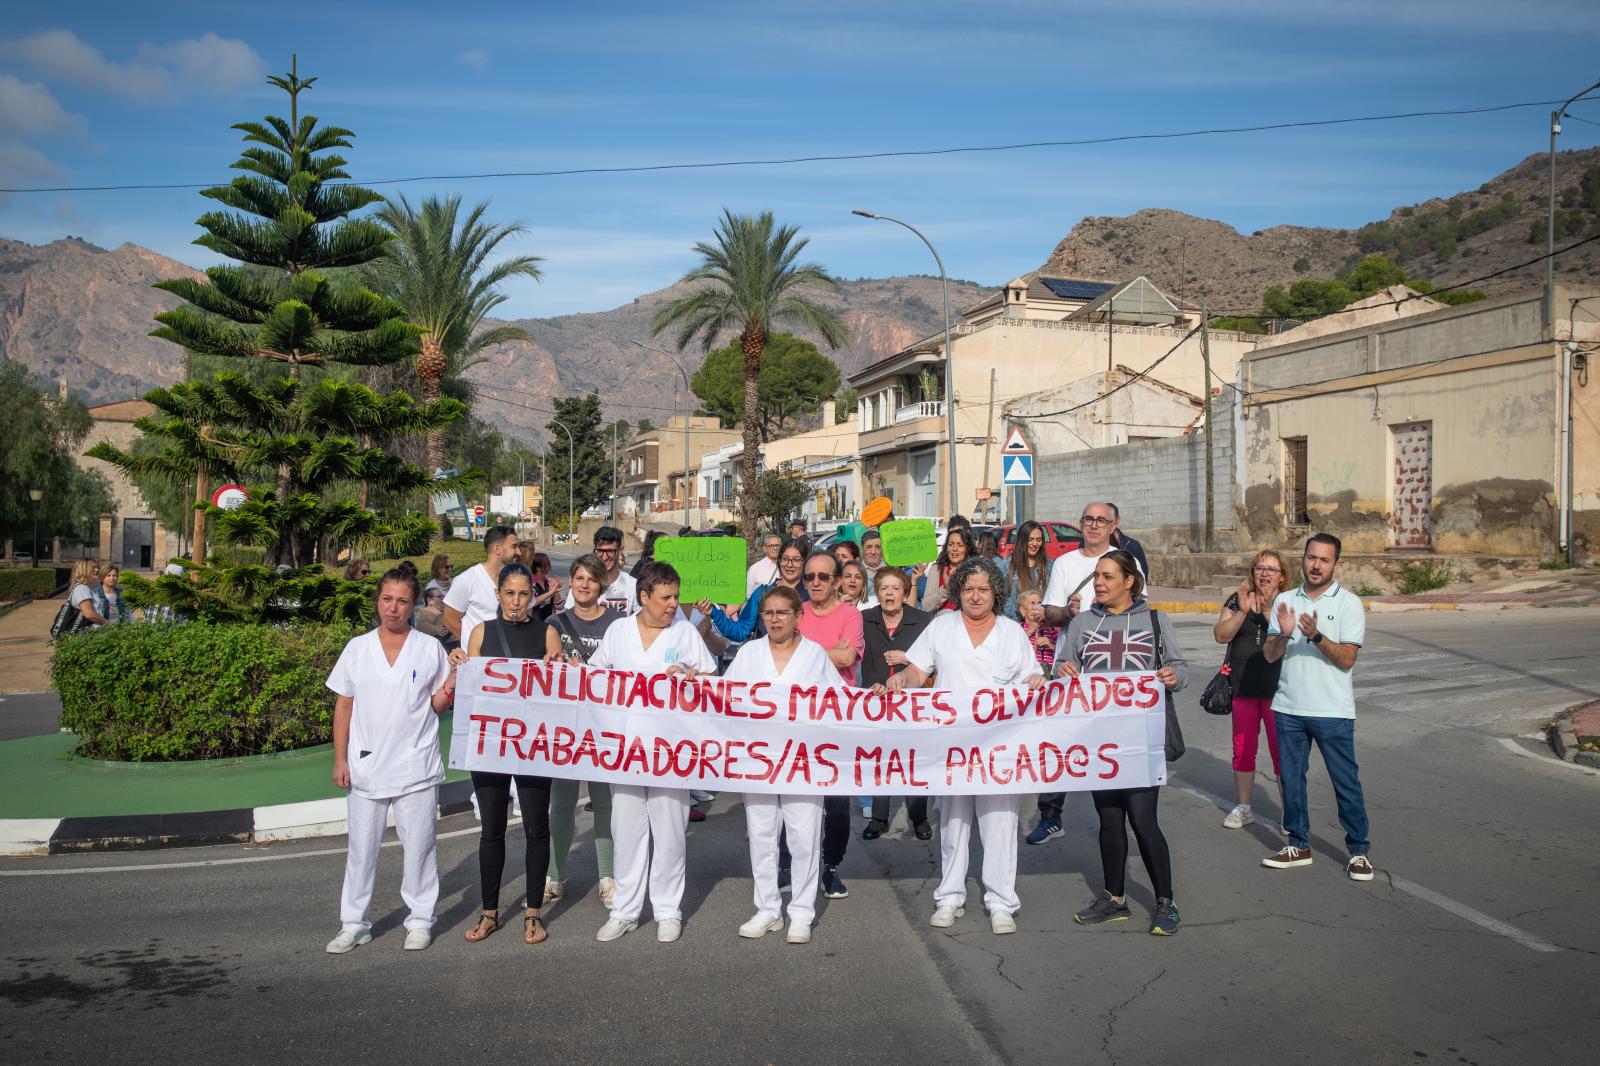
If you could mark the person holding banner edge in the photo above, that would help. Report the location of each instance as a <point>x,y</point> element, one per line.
<point>1118,633</point>
<point>889,630</point>
<point>784,657</point>
<point>974,647</point>
<point>653,641</point>
<point>515,632</point>
<point>391,683</point>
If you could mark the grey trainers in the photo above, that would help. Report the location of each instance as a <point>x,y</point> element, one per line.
<point>1164,922</point>
<point>1105,909</point>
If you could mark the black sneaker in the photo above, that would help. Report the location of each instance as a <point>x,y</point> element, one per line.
<point>832,886</point>
<point>1105,909</point>
<point>874,829</point>
<point>783,879</point>
<point>923,830</point>
<point>1164,921</point>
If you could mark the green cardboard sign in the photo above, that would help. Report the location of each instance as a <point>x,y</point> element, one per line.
<point>908,541</point>
<point>711,568</point>
<point>851,531</point>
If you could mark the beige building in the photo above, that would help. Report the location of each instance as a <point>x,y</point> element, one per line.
<point>1439,431</point>
<point>131,537</point>
<point>652,478</point>
<point>1037,333</point>
<point>828,459</point>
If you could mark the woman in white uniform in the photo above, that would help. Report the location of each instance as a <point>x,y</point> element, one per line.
<point>783,657</point>
<point>653,641</point>
<point>391,685</point>
<point>974,647</point>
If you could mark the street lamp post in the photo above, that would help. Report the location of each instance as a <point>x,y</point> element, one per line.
<point>35,495</point>
<point>570,461</point>
<point>686,408</point>
<point>1550,231</point>
<point>949,356</point>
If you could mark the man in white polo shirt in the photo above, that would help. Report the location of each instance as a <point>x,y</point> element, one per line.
<point>621,588</point>
<point>1070,590</point>
<point>1317,630</point>
<point>472,598</point>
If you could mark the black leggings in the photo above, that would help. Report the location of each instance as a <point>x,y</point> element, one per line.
<point>494,793</point>
<point>1117,807</point>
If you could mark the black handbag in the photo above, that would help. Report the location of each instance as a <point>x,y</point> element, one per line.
<point>1175,745</point>
<point>68,621</point>
<point>1218,695</point>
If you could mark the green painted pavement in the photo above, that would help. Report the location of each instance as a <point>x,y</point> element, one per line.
<point>41,778</point>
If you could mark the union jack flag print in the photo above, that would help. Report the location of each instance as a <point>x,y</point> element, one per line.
<point>1118,650</point>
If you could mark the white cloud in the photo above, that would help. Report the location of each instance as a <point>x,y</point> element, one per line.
<point>24,166</point>
<point>156,71</point>
<point>477,59</point>
<point>27,109</point>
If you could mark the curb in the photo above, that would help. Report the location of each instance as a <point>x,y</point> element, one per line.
<point>24,837</point>
<point>1563,738</point>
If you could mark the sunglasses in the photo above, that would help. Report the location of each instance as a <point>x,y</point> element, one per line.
<point>819,576</point>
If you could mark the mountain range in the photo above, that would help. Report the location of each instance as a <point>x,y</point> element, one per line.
<point>74,312</point>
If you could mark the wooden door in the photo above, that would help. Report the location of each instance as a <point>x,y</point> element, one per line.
<point>1411,492</point>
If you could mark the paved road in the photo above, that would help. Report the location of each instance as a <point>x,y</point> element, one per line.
<point>1477,943</point>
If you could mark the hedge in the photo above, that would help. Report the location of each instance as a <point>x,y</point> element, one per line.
<point>16,582</point>
<point>154,693</point>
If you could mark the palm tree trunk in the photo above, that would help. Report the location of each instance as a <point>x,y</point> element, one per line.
<point>753,341</point>
<point>202,494</point>
<point>430,372</point>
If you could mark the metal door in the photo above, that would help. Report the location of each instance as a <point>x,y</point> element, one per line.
<point>1411,493</point>
<point>925,485</point>
<point>138,543</point>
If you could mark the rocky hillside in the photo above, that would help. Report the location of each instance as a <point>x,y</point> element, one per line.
<point>1448,240</point>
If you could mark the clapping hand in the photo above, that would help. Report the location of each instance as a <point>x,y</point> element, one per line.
<point>1249,598</point>
<point>1285,620</point>
<point>1308,625</point>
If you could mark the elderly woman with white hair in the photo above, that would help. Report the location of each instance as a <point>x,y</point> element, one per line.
<point>974,647</point>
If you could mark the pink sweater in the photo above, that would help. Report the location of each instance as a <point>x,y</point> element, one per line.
<point>841,623</point>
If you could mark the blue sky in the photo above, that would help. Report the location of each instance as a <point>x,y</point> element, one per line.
<point>115,93</point>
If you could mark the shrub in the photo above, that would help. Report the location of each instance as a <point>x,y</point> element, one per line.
<point>197,691</point>
<point>34,581</point>
<point>1424,577</point>
<point>1555,564</point>
<point>1365,591</point>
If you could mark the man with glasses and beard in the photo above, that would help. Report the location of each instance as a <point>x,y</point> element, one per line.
<point>620,585</point>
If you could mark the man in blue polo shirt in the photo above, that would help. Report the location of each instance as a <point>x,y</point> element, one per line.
<point>1316,630</point>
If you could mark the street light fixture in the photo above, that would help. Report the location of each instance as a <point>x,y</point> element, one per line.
<point>35,495</point>
<point>949,356</point>
<point>686,407</point>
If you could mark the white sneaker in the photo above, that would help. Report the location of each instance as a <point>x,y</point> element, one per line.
<point>799,933</point>
<point>701,796</point>
<point>418,939</point>
<point>760,926</point>
<point>608,891</point>
<point>553,890</point>
<point>1239,817</point>
<point>668,930</point>
<point>348,940</point>
<point>615,929</point>
<point>944,917</point>
<point>1001,922</point>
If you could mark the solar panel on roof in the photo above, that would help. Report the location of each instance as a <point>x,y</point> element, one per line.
<point>1072,289</point>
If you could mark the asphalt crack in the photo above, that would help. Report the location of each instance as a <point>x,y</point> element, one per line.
<point>1111,1017</point>
<point>999,959</point>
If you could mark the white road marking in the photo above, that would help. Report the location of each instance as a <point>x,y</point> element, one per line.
<point>1427,895</point>
<point>1517,749</point>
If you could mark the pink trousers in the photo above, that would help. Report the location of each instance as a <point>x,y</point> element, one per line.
<point>1249,715</point>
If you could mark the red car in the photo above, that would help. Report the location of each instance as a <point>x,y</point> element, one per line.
<point>1059,539</point>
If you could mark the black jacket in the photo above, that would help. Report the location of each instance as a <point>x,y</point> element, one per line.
<point>874,670</point>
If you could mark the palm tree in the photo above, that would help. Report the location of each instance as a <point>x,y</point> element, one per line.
<point>754,283</point>
<point>437,269</point>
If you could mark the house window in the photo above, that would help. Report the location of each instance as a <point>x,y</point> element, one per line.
<point>1294,482</point>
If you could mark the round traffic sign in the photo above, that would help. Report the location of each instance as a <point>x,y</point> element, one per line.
<point>229,496</point>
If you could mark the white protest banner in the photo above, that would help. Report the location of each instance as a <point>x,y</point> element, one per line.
<point>526,716</point>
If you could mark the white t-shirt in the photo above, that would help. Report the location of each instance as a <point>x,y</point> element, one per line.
<point>1068,571</point>
<point>394,734</point>
<point>808,665</point>
<point>622,648</point>
<point>473,594</point>
<point>763,571</point>
<point>622,595</point>
<point>1005,657</point>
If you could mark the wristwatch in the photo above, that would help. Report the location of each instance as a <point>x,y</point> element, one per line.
<point>1316,638</point>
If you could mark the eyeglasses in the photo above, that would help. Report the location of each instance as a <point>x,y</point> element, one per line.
<point>819,576</point>
<point>1095,520</point>
<point>774,615</point>
<point>606,551</point>
<point>1268,570</point>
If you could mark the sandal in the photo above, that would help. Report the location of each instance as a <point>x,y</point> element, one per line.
<point>478,932</point>
<point>533,930</point>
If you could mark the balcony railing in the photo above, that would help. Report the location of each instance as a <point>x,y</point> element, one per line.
<point>913,411</point>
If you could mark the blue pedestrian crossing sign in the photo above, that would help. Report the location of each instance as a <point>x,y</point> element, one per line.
<point>1017,469</point>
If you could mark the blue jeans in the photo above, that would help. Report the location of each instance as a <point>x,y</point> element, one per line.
<point>1336,737</point>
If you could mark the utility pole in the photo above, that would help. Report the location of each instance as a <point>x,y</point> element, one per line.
<point>1205,393</point>
<point>613,473</point>
<point>988,439</point>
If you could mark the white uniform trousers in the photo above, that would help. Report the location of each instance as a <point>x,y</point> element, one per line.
<point>997,828</point>
<point>642,817</point>
<point>801,818</point>
<point>415,817</point>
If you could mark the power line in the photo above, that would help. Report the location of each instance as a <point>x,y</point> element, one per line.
<point>852,156</point>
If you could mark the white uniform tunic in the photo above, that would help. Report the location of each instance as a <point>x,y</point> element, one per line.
<point>1004,658</point>
<point>800,816</point>
<point>645,814</point>
<point>395,766</point>
<point>473,593</point>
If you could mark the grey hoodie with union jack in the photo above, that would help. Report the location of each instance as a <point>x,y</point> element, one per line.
<point>1099,642</point>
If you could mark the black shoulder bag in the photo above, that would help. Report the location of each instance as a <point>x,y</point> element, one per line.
<point>1175,748</point>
